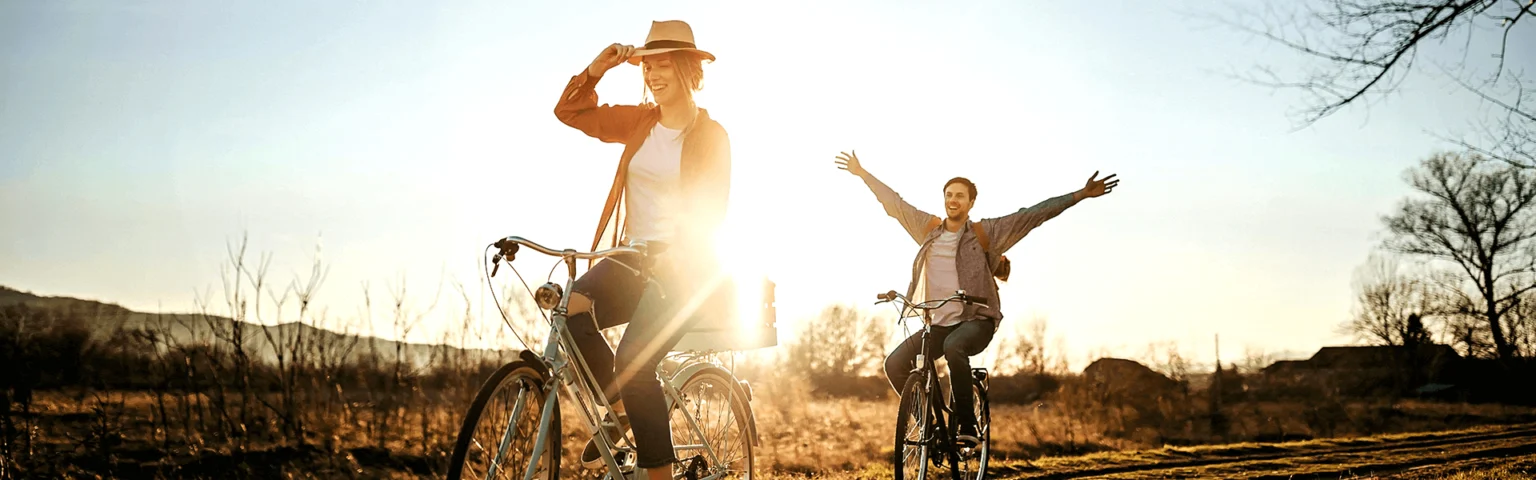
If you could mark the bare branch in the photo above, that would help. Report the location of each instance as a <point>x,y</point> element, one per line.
<point>1371,45</point>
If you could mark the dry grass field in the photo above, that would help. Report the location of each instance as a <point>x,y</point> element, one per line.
<point>109,435</point>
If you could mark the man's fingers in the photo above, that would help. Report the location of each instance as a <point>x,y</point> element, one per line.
<point>1112,175</point>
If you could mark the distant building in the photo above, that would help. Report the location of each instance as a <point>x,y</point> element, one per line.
<point>1367,370</point>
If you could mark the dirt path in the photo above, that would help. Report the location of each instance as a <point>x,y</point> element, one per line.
<point>1331,459</point>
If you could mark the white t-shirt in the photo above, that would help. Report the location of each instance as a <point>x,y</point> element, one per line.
<point>653,186</point>
<point>942,278</point>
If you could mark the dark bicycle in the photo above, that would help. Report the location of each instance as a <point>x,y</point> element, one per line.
<point>922,436</point>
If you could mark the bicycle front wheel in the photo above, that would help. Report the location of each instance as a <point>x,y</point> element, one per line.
<point>498,435</point>
<point>915,432</point>
<point>714,404</point>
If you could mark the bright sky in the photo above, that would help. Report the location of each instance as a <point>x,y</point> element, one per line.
<point>140,137</point>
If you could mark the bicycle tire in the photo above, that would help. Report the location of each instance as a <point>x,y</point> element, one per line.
<point>946,437</point>
<point>983,428</point>
<point>913,405</point>
<point>718,379</point>
<point>514,371</point>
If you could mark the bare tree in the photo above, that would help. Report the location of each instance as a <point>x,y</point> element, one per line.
<point>1390,304</point>
<point>1255,359</point>
<point>841,342</point>
<point>1475,215</point>
<point>1164,357</point>
<point>1520,324</point>
<point>1024,350</point>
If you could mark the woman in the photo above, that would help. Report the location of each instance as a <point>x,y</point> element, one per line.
<point>673,181</point>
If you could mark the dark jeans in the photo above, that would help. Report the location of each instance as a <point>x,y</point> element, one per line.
<point>615,292</point>
<point>957,343</point>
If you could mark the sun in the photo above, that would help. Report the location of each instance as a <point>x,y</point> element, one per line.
<point>740,251</point>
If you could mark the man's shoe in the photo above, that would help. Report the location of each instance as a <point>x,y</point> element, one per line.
<point>590,456</point>
<point>967,437</point>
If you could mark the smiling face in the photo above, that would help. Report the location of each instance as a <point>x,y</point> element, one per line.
<point>959,197</point>
<point>672,77</point>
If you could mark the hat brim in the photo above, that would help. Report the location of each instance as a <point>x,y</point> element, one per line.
<point>634,59</point>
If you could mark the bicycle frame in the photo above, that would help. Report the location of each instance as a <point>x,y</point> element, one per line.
<point>565,365</point>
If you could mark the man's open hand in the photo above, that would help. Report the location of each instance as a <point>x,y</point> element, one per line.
<point>850,162</point>
<point>1098,187</point>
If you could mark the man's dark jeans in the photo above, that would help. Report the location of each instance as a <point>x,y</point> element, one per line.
<point>957,343</point>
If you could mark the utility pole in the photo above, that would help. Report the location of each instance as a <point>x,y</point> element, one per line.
<point>1218,421</point>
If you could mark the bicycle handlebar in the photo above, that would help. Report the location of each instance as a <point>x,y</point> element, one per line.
<point>959,295</point>
<point>507,248</point>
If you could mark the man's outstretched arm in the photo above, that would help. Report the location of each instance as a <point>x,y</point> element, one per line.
<point>1011,228</point>
<point>911,218</point>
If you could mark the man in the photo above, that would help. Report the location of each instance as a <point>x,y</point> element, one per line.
<point>958,254</point>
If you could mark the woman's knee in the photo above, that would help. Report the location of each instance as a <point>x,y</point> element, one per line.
<point>579,304</point>
<point>632,352</point>
<point>632,365</point>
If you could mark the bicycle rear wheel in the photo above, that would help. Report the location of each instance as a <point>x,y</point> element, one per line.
<point>497,437</point>
<point>719,407</point>
<point>973,461</point>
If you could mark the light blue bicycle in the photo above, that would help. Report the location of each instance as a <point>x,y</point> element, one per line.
<point>512,429</point>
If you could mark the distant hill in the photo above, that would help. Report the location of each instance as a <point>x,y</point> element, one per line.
<point>10,296</point>
<point>106,319</point>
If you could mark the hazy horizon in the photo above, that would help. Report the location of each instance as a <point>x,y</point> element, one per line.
<point>403,138</point>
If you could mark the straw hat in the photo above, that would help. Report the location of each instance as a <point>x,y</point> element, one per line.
<point>668,36</point>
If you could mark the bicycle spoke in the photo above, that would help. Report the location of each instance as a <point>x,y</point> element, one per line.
<point>506,439</point>
<point>705,422</point>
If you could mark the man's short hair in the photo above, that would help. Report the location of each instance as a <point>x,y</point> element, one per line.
<point>971,187</point>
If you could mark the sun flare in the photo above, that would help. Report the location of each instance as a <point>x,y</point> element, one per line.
<point>741,258</point>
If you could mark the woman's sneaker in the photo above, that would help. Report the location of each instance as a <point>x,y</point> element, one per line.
<point>590,456</point>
